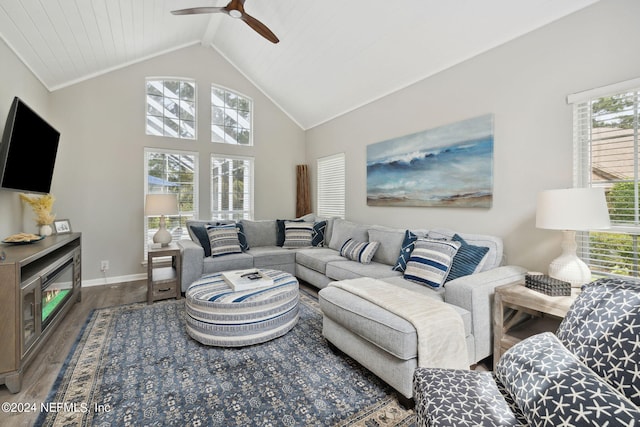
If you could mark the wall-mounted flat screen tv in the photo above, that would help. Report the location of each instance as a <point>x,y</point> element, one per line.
<point>27,151</point>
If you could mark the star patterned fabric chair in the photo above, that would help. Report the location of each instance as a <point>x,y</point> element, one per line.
<point>587,374</point>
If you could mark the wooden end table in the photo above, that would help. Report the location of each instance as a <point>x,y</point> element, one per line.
<point>520,312</point>
<point>164,281</point>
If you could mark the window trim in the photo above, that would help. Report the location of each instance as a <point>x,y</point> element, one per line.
<point>195,103</point>
<point>145,186</point>
<point>251,161</point>
<point>582,177</point>
<point>211,105</point>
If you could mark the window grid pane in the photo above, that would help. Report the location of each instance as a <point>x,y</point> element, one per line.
<point>606,156</point>
<point>231,117</point>
<point>231,188</point>
<point>171,108</point>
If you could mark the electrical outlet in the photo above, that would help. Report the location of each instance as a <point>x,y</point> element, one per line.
<point>104,265</point>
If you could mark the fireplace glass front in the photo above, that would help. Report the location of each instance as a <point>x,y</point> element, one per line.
<point>57,287</point>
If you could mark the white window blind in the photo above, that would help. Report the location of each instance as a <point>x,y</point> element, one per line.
<point>331,186</point>
<point>231,187</point>
<point>606,150</point>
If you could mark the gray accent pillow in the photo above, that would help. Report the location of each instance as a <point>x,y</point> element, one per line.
<point>390,244</point>
<point>260,233</point>
<point>344,230</point>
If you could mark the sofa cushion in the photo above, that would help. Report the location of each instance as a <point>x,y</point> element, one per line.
<point>552,387</point>
<point>408,243</point>
<point>345,269</point>
<point>359,251</point>
<point>269,256</point>
<point>317,258</point>
<point>297,234</point>
<point>430,261</point>
<point>467,259</point>
<point>386,330</point>
<point>238,261</point>
<point>390,243</point>
<point>493,258</point>
<point>343,230</point>
<point>223,240</point>
<point>260,233</point>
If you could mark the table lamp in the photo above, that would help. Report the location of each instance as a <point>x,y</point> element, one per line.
<point>571,210</point>
<point>161,204</point>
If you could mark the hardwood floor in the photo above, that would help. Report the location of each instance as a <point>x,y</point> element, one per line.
<point>43,371</point>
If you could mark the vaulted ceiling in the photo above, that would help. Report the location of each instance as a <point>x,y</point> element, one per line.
<point>333,55</point>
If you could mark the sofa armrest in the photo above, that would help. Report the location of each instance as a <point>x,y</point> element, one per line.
<point>475,294</point>
<point>192,262</point>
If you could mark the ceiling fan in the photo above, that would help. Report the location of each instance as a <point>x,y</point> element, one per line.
<point>234,9</point>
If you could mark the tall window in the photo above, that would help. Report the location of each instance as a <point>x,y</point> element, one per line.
<point>606,146</point>
<point>176,172</point>
<point>231,117</point>
<point>231,187</point>
<point>171,108</point>
<point>331,186</point>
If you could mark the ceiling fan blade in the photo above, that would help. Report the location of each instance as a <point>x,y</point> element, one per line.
<point>199,10</point>
<point>259,27</point>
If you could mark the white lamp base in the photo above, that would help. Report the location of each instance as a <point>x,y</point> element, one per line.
<point>162,236</point>
<point>568,267</point>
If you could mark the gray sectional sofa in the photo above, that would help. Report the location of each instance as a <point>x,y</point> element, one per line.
<point>381,341</point>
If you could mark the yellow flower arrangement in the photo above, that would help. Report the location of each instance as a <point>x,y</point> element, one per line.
<point>41,207</point>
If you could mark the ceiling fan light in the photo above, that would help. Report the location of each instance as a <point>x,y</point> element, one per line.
<point>235,14</point>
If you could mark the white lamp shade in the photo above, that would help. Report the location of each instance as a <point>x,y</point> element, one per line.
<point>161,204</point>
<point>578,209</point>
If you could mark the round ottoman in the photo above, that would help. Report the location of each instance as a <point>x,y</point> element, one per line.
<point>216,315</point>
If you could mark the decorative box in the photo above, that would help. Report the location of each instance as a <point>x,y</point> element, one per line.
<point>547,285</point>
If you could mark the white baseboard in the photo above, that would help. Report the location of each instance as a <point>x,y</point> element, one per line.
<point>113,280</point>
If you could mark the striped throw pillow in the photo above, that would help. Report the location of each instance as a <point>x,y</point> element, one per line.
<point>359,251</point>
<point>430,261</point>
<point>223,240</point>
<point>297,234</point>
<point>466,260</point>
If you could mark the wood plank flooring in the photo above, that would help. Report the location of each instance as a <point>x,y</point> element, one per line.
<point>43,371</point>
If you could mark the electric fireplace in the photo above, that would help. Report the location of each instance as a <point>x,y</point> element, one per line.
<point>56,288</point>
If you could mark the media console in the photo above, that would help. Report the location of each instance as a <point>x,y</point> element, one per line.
<point>39,283</point>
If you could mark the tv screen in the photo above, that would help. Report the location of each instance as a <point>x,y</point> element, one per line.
<point>27,151</point>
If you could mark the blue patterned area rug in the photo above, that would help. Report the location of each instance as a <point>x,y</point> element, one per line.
<point>135,365</point>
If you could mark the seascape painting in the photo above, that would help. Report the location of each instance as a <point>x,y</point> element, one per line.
<point>448,166</point>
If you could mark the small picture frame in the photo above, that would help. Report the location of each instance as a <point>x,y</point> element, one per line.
<point>62,226</point>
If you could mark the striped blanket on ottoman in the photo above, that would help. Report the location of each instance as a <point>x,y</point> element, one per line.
<point>216,315</point>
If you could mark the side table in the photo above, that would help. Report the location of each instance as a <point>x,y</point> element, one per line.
<point>163,281</point>
<point>520,312</point>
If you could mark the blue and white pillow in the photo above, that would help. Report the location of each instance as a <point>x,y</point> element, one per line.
<point>431,261</point>
<point>319,230</point>
<point>362,252</point>
<point>408,244</point>
<point>297,234</point>
<point>223,240</point>
<point>467,259</point>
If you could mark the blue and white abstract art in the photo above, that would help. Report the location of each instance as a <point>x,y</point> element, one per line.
<point>449,166</point>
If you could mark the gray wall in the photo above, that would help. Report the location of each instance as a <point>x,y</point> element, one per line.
<point>17,80</point>
<point>98,180</point>
<point>524,83</point>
